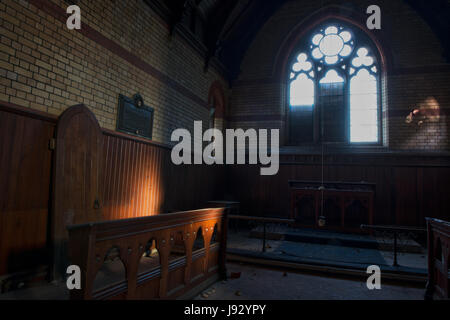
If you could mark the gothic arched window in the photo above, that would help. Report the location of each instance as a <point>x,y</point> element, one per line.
<point>334,87</point>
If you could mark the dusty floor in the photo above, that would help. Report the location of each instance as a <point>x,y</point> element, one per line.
<point>257,283</point>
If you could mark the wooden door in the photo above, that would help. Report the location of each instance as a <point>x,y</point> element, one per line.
<point>76,178</point>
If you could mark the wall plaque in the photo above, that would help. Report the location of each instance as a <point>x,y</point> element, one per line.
<point>134,117</point>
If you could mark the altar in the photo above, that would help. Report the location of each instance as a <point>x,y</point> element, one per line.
<point>340,206</point>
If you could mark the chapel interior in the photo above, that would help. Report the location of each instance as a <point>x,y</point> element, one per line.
<point>118,161</point>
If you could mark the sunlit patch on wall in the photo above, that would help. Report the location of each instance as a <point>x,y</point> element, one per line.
<point>426,111</point>
<point>427,125</point>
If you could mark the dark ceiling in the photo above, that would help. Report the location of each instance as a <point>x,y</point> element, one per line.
<point>227,27</point>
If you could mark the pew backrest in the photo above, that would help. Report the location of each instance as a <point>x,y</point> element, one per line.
<point>438,285</point>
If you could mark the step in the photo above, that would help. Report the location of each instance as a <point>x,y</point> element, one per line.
<point>400,273</point>
<point>339,239</point>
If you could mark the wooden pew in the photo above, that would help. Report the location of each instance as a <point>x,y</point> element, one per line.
<point>438,285</point>
<point>155,257</point>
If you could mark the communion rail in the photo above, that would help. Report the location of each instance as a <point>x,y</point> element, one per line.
<point>156,257</point>
<point>438,284</point>
<point>395,231</point>
<point>264,221</point>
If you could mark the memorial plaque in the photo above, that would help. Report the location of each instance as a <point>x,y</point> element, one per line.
<point>134,117</point>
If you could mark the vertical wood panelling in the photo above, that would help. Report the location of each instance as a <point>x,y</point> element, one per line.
<point>25,167</point>
<point>140,180</point>
<point>405,193</point>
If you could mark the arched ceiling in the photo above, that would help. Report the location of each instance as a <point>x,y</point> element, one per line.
<point>229,26</point>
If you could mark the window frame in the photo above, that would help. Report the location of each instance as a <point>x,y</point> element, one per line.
<point>304,45</point>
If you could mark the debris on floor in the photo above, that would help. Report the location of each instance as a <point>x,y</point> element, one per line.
<point>265,283</point>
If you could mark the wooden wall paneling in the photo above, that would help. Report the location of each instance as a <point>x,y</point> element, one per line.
<point>407,188</point>
<point>382,199</point>
<point>419,192</point>
<point>145,182</point>
<point>162,162</point>
<point>77,178</point>
<point>141,177</point>
<point>25,169</point>
<point>135,180</point>
<point>124,188</point>
<point>168,180</point>
<point>140,180</point>
<point>442,191</point>
<point>406,200</point>
<point>436,188</point>
<point>159,183</point>
<point>108,179</point>
<point>153,181</point>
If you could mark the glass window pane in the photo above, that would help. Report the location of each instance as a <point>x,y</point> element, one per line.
<point>363,107</point>
<point>302,64</point>
<point>363,101</point>
<point>332,77</point>
<point>301,91</point>
<point>331,100</point>
<point>346,36</point>
<point>362,58</point>
<point>363,117</point>
<point>361,133</point>
<point>331,45</point>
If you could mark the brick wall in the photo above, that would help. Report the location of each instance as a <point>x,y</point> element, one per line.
<point>419,76</point>
<point>122,48</point>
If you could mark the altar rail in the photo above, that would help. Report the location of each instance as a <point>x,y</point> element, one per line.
<point>438,259</point>
<point>163,256</point>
